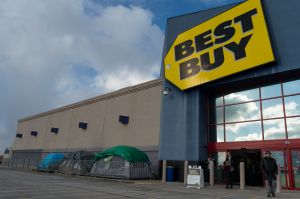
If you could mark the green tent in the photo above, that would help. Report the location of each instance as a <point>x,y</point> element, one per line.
<point>128,153</point>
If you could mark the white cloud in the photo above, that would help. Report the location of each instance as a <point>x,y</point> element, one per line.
<point>120,80</point>
<point>274,133</point>
<point>291,108</point>
<point>241,112</point>
<point>274,129</point>
<point>293,127</point>
<point>252,136</point>
<point>41,41</point>
<point>273,111</point>
<point>235,128</point>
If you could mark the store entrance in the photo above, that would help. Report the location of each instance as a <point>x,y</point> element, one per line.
<point>286,153</point>
<point>288,160</point>
<point>251,158</point>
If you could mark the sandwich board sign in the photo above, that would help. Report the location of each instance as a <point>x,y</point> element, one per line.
<point>195,177</point>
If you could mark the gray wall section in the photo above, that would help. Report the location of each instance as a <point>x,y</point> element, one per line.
<point>183,132</point>
<point>179,127</point>
<point>27,154</point>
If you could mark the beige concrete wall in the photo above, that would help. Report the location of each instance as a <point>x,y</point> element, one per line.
<point>28,141</point>
<point>94,115</point>
<point>143,109</point>
<point>141,103</point>
<point>61,120</point>
<point>21,143</point>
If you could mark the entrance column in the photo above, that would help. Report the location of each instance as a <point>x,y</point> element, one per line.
<point>186,167</point>
<point>211,173</point>
<point>278,188</point>
<point>242,175</point>
<point>164,171</point>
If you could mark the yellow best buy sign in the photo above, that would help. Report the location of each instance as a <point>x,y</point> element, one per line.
<point>231,42</point>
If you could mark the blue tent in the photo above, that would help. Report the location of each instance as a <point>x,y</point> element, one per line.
<point>50,162</point>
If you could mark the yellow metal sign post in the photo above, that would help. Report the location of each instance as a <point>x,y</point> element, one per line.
<point>231,42</point>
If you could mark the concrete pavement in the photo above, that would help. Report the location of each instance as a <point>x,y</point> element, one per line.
<point>18,184</point>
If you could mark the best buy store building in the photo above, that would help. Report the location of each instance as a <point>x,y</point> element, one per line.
<point>230,82</point>
<point>234,79</point>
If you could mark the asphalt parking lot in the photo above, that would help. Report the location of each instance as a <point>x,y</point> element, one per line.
<point>17,184</point>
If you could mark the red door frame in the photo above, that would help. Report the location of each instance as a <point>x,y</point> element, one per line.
<point>291,169</point>
<point>285,145</point>
<point>286,163</point>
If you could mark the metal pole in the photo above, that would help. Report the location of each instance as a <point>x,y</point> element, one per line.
<point>242,175</point>
<point>278,188</point>
<point>186,167</point>
<point>164,171</point>
<point>211,173</point>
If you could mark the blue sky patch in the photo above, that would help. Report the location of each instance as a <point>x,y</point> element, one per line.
<point>162,9</point>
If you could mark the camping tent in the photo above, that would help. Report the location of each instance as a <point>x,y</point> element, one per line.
<point>79,162</point>
<point>122,162</point>
<point>50,162</point>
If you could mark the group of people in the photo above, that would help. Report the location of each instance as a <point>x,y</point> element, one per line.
<point>268,167</point>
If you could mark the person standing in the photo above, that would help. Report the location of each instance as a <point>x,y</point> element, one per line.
<point>228,171</point>
<point>269,169</point>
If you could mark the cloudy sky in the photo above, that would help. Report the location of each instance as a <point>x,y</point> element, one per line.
<point>56,52</point>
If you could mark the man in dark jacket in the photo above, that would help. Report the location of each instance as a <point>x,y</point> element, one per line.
<point>269,169</point>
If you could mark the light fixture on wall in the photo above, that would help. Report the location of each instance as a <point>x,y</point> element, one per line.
<point>19,135</point>
<point>54,130</point>
<point>167,91</point>
<point>34,133</point>
<point>124,119</point>
<point>82,125</point>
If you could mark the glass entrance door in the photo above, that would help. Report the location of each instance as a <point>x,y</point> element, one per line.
<point>288,159</point>
<point>289,162</point>
<point>281,158</point>
<point>295,159</point>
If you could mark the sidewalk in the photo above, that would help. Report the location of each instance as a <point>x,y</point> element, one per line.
<point>217,191</point>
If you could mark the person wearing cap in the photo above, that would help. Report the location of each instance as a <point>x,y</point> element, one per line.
<point>269,169</point>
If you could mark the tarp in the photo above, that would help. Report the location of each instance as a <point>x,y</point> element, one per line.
<point>51,161</point>
<point>81,155</point>
<point>79,162</point>
<point>128,153</point>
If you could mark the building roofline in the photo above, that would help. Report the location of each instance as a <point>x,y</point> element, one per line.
<point>205,10</point>
<point>123,91</point>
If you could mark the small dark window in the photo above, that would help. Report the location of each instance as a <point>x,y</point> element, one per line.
<point>124,119</point>
<point>54,130</point>
<point>34,133</point>
<point>6,151</point>
<point>19,135</point>
<point>82,125</point>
